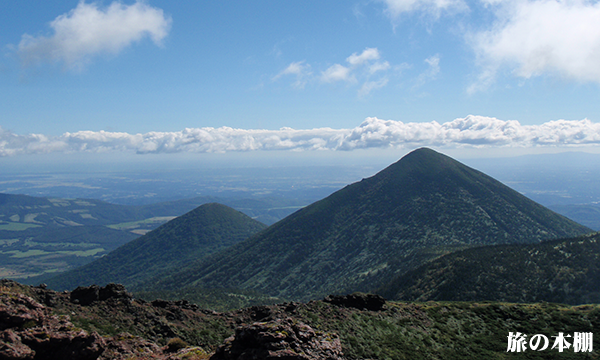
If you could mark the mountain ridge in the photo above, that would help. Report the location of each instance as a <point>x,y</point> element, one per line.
<point>560,271</point>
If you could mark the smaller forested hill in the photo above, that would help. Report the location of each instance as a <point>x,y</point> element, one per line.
<point>198,233</point>
<point>563,271</point>
<point>42,236</point>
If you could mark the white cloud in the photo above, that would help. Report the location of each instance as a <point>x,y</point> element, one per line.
<point>538,37</point>
<point>296,68</point>
<point>299,69</point>
<point>471,131</point>
<point>366,55</point>
<point>379,66</point>
<point>395,8</point>
<point>337,72</point>
<point>360,69</point>
<point>88,31</point>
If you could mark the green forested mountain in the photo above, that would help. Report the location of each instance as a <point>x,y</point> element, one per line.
<point>563,271</point>
<point>364,235</point>
<point>198,233</point>
<point>41,236</point>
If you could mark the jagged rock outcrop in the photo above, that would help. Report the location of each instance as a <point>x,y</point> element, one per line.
<point>29,331</point>
<point>114,291</point>
<point>358,301</point>
<point>167,330</point>
<point>85,295</point>
<point>183,304</point>
<point>280,339</point>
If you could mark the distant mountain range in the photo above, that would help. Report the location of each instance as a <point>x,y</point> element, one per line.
<point>366,234</point>
<point>563,271</point>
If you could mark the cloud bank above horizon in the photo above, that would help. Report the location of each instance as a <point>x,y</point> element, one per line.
<point>469,132</point>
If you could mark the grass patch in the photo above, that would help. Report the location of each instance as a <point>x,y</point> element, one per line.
<point>31,243</point>
<point>25,254</point>
<point>136,224</point>
<point>8,242</point>
<point>91,252</point>
<point>13,226</point>
<point>36,252</point>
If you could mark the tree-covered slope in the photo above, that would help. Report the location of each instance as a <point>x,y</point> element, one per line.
<point>365,234</point>
<point>563,271</point>
<point>198,233</point>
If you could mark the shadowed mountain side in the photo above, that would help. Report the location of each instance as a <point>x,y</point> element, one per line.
<point>367,233</point>
<point>563,271</point>
<point>198,233</point>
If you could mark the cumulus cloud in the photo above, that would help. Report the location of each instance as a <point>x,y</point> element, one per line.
<point>337,72</point>
<point>538,37</point>
<point>366,55</point>
<point>88,31</point>
<point>360,68</point>
<point>471,131</point>
<point>295,68</point>
<point>299,69</point>
<point>379,66</point>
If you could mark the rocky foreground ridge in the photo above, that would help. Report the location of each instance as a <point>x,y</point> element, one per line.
<point>108,323</point>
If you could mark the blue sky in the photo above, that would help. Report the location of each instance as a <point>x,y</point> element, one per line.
<point>132,76</point>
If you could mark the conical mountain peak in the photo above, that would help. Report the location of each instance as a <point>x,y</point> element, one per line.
<point>424,164</point>
<point>425,160</point>
<point>418,208</point>
<point>422,159</point>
